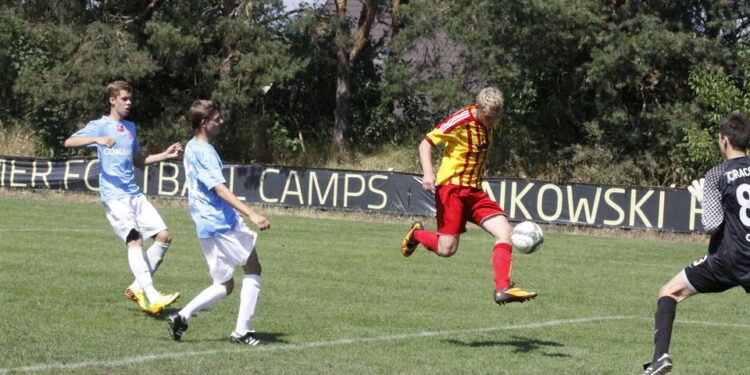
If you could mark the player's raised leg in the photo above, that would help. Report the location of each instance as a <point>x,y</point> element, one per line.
<point>151,225</point>
<point>409,243</point>
<point>155,255</point>
<point>502,262</point>
<point>154,302</point>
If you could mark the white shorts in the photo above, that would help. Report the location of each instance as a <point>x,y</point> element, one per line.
<point>134,212</point>
<point>224,252</point>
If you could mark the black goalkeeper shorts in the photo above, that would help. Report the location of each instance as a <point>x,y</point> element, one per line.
<point>709,275</point>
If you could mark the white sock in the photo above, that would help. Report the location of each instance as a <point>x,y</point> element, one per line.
<point>140,268</point>
<point>155,254</point>
<point>206,298</point>
<point>248,301</point>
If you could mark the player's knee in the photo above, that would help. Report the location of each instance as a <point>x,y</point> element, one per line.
<point>253,269</point>
<point>258,269</point>
<point>665,290</point>
<point>229,286</point>
<point>503,237</point>
<point>134,238</point>
<point>164,237</point>
<point>252,266</point>
<point>447,251</point>
<point>669,291</point>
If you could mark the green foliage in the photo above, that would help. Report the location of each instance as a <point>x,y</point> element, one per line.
<point>595,162</point>
<point>652,78</point>
<point>718,92</point>
<point>178,53</point>
<point>623,66</point>
<point>61,95</point>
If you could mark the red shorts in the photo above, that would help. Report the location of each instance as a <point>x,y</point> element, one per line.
<point>458,204</point>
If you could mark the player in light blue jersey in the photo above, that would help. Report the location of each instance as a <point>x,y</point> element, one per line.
<point>131,215</point>
<point>225,240</point>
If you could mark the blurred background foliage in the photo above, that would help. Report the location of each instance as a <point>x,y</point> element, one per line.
<point>616,92</point>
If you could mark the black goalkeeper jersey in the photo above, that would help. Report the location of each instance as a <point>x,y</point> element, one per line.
<point>726,216</point>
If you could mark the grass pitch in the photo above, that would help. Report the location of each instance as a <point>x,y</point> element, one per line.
<point>337,297</point>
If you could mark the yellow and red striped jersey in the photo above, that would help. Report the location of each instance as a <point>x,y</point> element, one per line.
<point>466,145</point>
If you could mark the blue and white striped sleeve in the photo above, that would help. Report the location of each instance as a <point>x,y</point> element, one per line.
<point>713,210</point>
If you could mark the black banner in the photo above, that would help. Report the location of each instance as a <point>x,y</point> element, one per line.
<point>386,192</point>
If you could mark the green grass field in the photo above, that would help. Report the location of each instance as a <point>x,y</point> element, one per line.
<point>337,297</point>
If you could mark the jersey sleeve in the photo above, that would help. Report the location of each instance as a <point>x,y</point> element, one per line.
<point>210,171</point>
<point>444,132</point>
<point>713,210</point>
<point>92,129</point>
<point>436,137</point>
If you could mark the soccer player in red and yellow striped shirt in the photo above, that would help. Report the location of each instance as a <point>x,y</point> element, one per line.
<point>466,136</point>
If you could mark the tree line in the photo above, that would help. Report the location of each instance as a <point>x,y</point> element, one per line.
<point>619,92</point>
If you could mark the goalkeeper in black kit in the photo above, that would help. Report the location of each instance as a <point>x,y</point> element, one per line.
<point>724,194</point>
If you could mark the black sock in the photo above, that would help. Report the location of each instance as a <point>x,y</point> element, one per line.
<point>666,308</point>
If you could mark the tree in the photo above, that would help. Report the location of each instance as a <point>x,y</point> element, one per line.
<point>605,84</point>
<point>718,93</point>
<point>62,55</point>
<point>347,52</point>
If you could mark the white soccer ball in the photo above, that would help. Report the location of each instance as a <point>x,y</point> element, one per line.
<point>527,237</point>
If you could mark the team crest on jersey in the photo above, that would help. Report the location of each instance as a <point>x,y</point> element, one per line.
<point>120,128</point>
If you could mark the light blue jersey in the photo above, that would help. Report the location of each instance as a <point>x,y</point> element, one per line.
<point>116,173</point>
<point>211,214</point>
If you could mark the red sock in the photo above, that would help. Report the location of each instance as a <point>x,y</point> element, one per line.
<point>502,262</point>
<point>427,238</point>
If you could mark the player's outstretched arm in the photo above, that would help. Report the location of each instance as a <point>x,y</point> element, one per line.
<point>696,188</point>
<point>85,141</point>
<point>425,159</point>
<point>173,151</point>
<point>224,193</point>
<point>713,210</point>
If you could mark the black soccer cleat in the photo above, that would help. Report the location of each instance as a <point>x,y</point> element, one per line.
<point>177,326</point>
<point>246,339</point>
<point>409,244</point>
<point>661,366</point>
<point>513,294</point>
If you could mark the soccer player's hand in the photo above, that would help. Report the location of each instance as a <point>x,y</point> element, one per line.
<point>260,221</point>
<point>105,141</point>
<point>696,188</point>
<point>173,151</point>
<point>428,182</point>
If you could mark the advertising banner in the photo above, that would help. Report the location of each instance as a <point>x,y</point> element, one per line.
<point>385,192</point>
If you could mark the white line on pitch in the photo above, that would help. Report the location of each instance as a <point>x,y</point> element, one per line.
<point>273,348</point>
<point>705,323</point>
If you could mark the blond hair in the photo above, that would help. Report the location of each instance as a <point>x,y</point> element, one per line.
<point>490,100</point>
<point>201,110</point>
<point>114,88</point>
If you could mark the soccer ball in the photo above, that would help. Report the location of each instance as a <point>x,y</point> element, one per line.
<point>527,237</point>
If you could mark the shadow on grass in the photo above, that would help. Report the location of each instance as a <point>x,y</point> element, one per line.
<point>520,345</point>
<point>267,338</point>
